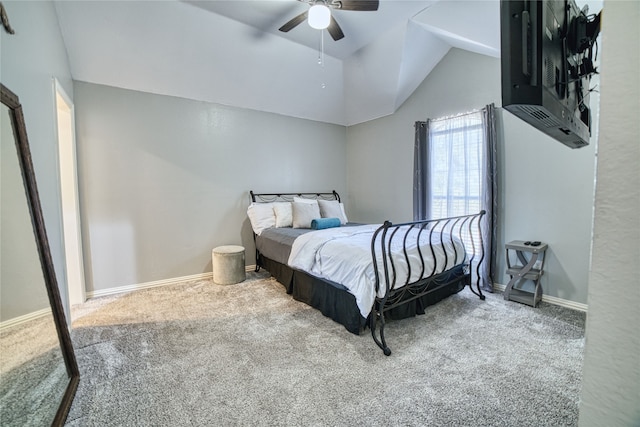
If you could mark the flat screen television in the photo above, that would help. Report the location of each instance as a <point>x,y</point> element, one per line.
<point>547,61</point>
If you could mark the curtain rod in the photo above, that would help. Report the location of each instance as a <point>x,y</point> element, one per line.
<point>462,114</point>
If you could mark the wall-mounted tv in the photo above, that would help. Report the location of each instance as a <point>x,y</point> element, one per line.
<point>548,50</point>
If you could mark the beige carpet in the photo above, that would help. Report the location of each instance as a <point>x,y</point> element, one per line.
<point>201,354</point>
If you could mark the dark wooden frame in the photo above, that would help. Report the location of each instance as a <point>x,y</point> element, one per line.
<point>432,284</point>
<point>28,175</point>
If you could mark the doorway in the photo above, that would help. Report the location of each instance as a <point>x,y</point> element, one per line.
<point>69,196</point>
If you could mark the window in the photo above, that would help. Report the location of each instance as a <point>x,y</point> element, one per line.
<point>455,174</point>
<point>456,157</point>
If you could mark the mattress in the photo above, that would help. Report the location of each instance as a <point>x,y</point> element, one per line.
<point>343,256</point>
<point>276,243</point>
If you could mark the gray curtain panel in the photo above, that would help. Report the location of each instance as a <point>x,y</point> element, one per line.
<point>490,196</point>
<point>422,177</point>
<point>420,172</point>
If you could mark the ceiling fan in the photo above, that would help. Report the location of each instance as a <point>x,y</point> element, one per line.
<point>320,17</point>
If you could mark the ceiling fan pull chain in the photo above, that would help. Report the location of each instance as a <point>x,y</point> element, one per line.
<point>321,58</point>
<point>321,50</point>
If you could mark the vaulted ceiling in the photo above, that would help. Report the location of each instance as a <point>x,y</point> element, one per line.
<point>231,52</point>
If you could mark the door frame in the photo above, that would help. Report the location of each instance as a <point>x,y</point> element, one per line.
<point>69,198</point>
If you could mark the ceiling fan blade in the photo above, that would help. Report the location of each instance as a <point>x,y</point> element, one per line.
<point>334,29</point>
<point>294,22</point>
<point>362,5</point>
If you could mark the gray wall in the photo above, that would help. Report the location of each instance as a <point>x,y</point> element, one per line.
<point>146,187</point>
<point>22,288</point>
<point>380,152</point>
<point>164,180</point>
<point>29,60</point>
<point>546,189</point>
<point>611,381</point>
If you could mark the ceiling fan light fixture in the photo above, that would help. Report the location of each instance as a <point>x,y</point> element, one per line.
<point>319,16</point>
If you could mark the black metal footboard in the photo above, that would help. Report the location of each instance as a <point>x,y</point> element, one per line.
<point>430,250</point>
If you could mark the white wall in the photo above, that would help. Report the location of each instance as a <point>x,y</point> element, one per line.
<point>164,180</point>
<point>611,381</point>
<point>29,60</point>
<point>545,188</point>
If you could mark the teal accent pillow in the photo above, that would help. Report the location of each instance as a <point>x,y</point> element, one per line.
<point>322,223</point>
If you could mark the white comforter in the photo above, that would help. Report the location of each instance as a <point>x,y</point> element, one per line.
<point>343,255</point>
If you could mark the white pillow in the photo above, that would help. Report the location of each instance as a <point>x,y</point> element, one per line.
<point>304,200</point>
<point>332,209</point>
<point>284,214</point>
<point>261,216</point>
<point>344,214</point>
<point>304,213</point>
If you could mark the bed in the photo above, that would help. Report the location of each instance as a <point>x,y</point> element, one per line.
<point>362,275</point>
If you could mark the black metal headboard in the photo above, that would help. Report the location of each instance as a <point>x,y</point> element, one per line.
<point>288,197</point>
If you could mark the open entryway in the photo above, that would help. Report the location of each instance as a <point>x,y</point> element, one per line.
<point>69,195</point>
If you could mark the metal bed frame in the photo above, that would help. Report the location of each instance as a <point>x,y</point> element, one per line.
<point>286,197</point>
<point>440,232</point>
<point>446,231</point>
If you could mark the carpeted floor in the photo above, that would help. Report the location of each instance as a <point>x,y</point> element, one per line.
<point>201,354</point>
<point>33,377</point>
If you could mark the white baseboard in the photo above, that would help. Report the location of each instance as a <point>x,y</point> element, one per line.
<point>26,318</point>
<point>155,284</point>
<point>249,268</point>
<point>552,300</point>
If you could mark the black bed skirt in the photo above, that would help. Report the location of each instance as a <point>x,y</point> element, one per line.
<point>336,302</point>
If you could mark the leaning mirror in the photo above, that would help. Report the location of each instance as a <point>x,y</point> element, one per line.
<point>38,370</point>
